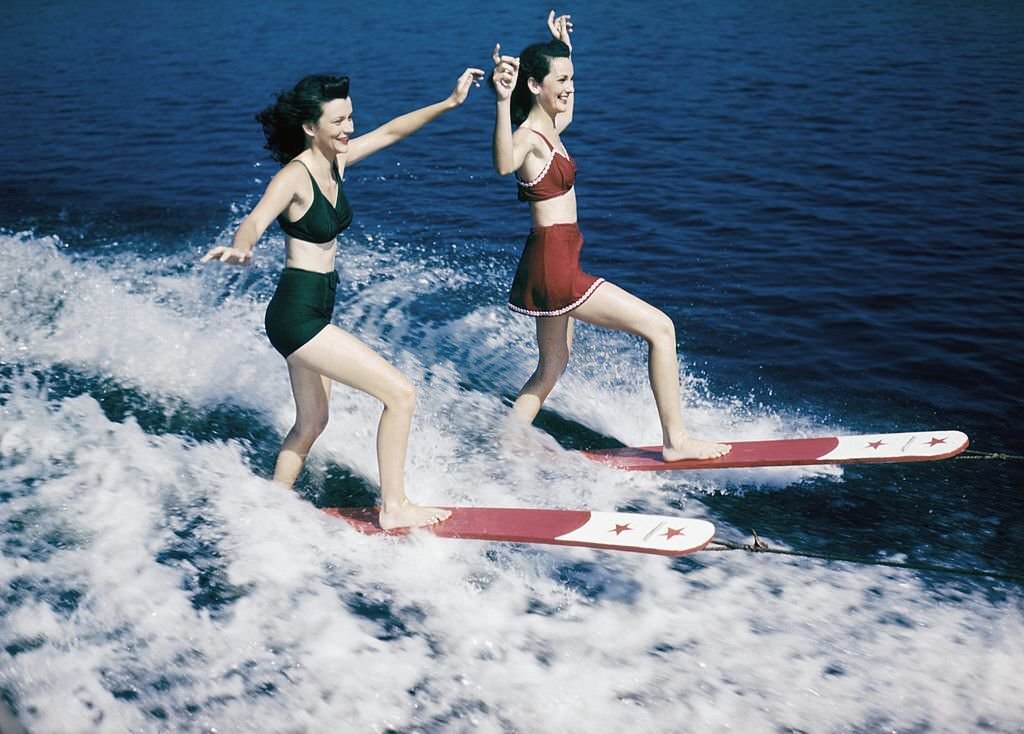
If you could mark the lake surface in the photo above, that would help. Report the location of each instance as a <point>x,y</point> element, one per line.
<point>825,197</point>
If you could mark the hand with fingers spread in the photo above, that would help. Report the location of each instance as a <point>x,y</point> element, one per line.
<point>560,28</point>
<point>229,255</point>
<point>506,72</point>
<point>470,77</point>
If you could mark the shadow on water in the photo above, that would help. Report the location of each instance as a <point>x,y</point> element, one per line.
<point>571,435</point>
<point>158,415</point>
<point>336,486</point>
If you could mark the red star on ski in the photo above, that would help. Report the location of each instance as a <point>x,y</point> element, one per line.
<point>875,444</point>
<point>672,532</point>
<point>620,529</point>
<point>935,441</point>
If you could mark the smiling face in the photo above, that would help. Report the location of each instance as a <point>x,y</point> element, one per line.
<point>554,92</point>
<point>335,126</point>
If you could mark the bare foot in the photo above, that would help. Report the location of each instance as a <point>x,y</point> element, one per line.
<point>408,515</point>
<point>692,448</point>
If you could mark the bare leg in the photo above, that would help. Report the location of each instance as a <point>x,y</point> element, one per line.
<point>312,393</point>
<point>614,308</point>
<point>554,341</point>
<point>339,356</point>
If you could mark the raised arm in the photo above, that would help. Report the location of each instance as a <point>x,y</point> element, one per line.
<point>404,125</point>
<point>275,199</point>
<point>508,156</point>
<point>560,28</point>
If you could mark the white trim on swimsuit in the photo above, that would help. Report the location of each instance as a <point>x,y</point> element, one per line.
<point>543,173</point>
<point>559,312</point>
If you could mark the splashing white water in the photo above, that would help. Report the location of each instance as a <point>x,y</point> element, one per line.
<point>154,582</point>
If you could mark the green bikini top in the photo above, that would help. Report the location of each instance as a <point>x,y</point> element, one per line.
<point>322,222</point>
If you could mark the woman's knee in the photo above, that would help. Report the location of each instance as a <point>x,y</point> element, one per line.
<point>659,330</point>
<point>401,397</point>
<point>308,427</point>
<point>553,364</point>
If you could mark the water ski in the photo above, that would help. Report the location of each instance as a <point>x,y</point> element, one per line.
<point>623,531</point>
<point>858,449</point>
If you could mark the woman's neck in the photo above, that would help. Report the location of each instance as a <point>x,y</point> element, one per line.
<point>540,120</point>
<point>319,162</point>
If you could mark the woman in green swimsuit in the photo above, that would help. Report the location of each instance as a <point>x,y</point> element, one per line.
<point>309,131</point>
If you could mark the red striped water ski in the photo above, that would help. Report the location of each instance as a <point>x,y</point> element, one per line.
<point>856,449</point>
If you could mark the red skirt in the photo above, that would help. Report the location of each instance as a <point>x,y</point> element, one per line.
<point>549,281</point>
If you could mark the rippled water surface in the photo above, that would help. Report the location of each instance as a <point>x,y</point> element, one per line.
<point>825,197</point>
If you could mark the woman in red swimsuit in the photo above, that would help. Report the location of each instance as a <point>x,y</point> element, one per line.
<point>535,91</point>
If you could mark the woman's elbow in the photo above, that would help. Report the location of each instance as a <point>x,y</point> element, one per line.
<point>503,168</point>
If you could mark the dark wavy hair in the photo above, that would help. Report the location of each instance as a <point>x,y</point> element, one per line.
<point>282,121</point>
<point>534,63</point>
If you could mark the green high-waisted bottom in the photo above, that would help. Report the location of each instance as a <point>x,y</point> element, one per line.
<point>301,307</point>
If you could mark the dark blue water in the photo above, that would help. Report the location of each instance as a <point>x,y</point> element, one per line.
<point>827,198</point>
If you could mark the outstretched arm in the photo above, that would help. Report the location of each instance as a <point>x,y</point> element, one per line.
<point>404,125</point>
<point>560,28</point>
<point>508,157</point>
<point>275,199</point>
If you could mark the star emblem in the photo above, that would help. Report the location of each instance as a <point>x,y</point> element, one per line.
<point>935,441</point>
<point>620,529</point>
<point>876,444</point>
<point>672,532</point>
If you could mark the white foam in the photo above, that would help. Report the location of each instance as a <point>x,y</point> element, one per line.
<point>118,318</point>
<point>336,631</point>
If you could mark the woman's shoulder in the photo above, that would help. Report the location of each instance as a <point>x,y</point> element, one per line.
<point>293,179</point>
<point>292,172</point>
<point>521,133</point>
<point>524,135</point>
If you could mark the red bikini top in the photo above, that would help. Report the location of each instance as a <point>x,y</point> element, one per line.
<point>558,176</point>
